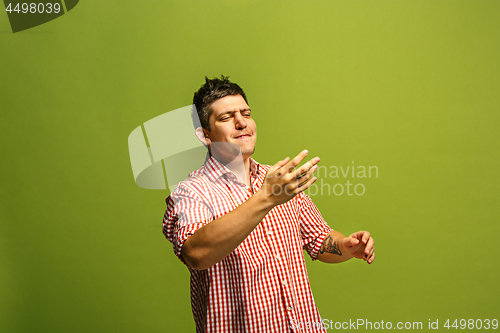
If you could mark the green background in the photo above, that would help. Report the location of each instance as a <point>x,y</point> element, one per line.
<point>409,86</point>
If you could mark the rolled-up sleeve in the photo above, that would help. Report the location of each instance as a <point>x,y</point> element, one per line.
<point>186,212</point>
<point>313,227</point>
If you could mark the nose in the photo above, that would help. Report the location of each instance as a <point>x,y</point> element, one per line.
<point>239,121</point>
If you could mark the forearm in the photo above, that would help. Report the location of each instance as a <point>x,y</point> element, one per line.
<point>332,249</point>
<point>217,239</point>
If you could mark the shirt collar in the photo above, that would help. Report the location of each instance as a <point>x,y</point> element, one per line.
<point>215,169</point>
<point>254,168</point>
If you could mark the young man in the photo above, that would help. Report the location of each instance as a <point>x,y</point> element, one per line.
<point>241,227</point>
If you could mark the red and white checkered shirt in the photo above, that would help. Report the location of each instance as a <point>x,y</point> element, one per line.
<point>262,286</point>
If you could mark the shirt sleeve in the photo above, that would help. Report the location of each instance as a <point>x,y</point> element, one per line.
<point>186,212</point>
<point>313,227</point>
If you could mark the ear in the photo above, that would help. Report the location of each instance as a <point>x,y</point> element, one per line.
<point>203,136</point>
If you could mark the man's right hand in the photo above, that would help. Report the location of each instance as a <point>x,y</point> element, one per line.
<point>283,182</point>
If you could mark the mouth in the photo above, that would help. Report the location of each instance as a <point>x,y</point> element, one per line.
<point>243,136</point>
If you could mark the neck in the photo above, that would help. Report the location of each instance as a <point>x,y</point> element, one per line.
<point>241,169</point>
<point>230,155</point>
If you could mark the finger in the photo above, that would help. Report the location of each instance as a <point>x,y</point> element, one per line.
<point>365,237</point>
<point>370,260</point>
<point>369,245</point>
<point>300,172</point>
<point>307,175</point>
<point>369,254</point>
<point>281,163</point>
<point>296,160</point>
<point>277,166</point>
<point>362,236</point>
<point>350,241</point>
<point>305,186</point>
<point>372,251</point>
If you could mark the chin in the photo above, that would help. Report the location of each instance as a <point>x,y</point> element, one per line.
<point>246,153</point>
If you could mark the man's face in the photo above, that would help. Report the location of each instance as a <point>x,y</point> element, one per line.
<point>232,122</point>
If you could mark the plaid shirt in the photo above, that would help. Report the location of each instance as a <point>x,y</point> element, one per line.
<point>262,286</point>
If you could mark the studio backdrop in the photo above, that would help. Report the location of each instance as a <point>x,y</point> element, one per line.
<point>398,98</point>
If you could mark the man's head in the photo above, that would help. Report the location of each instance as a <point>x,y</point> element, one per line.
<point>212,90</point>
<point>225,116</point>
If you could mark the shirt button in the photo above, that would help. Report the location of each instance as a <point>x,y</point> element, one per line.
<point>290,308</point>
<point>277,257</point>
<point>269,232</point>
<point>284,284</point>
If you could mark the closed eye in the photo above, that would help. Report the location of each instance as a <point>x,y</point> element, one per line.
<point>230,114</point>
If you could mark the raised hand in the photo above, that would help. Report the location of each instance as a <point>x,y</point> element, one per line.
<point>283,182</point>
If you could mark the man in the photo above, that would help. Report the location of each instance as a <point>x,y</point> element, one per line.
<point>241,227</point>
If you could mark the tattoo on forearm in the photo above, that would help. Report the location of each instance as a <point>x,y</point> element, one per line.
<point>330,247</point>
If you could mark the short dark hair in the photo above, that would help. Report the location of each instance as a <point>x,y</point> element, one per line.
<point>209,92</point>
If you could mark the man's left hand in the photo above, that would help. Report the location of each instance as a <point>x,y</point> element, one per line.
<point>360,245</point>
